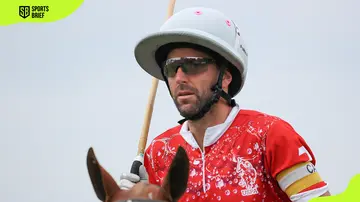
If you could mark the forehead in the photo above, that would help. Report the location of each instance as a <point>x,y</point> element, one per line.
<point>186,52</point>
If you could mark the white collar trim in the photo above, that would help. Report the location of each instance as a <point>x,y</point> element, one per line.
<point>212,134</point>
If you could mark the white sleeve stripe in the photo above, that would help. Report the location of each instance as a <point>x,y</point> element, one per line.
<point>296,175</point>
<point>306,196</point>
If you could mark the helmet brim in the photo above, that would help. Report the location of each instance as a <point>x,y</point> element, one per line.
<point>146,49</point>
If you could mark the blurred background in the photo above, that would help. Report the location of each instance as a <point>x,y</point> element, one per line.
<point>74,83</point>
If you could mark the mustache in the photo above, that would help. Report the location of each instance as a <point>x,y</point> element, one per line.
<point>182,86</point>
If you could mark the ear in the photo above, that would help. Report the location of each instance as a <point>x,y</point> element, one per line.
<point>176,179</point>
<point>104,185</point>
<point>227,78</point>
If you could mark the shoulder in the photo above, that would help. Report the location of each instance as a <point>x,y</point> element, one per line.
<point>253,115</point>
<point>260,119</point>
<point>169,132</point>
<point>269,126</point>
<point>164,137</point>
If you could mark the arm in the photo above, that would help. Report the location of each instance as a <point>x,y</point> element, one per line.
<point>326,194</point>
<point>149,167</point>
<point>291,162</point>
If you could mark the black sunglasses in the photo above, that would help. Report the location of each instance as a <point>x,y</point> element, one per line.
<point>189,65</point>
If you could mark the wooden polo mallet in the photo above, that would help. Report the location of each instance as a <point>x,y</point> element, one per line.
<point>149,109</point>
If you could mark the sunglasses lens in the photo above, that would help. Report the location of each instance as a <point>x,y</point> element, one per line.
<point>189,66</point>
<point>170,69</point>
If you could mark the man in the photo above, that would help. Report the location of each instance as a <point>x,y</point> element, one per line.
<point>235,154</point>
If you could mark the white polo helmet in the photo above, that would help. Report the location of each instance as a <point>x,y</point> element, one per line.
<point>206,27</point>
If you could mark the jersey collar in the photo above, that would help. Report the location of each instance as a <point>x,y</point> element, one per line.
<point>212,134</point>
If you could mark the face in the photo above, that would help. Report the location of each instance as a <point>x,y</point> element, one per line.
<point>190,92</point>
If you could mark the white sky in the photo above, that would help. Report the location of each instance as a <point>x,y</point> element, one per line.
<point>62,88</point>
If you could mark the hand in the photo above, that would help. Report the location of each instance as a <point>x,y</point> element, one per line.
<point>128,180</point>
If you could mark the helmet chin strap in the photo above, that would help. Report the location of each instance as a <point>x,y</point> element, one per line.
<point>217,93</point>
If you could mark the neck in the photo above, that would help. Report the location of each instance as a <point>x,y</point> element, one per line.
<point>216,115</point>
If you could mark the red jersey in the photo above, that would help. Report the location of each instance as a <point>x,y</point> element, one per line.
<point>240,160</point>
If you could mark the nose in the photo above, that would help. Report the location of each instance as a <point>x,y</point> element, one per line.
<point>180,76</point>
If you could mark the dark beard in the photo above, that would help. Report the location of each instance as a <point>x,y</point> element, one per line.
<point>201,101</point>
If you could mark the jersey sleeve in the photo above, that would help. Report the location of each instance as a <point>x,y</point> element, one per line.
<point>291,162</point>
